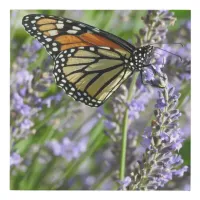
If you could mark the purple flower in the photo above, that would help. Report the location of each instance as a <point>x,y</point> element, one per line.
<point>68,149</point>
<point>138,104</point>
<point>35,46</point>
<point>164,137</point>
<point>15,159</point>
<point>185,76</point>
<point>148,75</point>
<point>186,187</point>
<point>20,106</point>
<point>110,126</point>
<point>55,147</point>
<point>125,183</point>
<point>180,172</point>
<point>28,91</point>
<point>161,142</point>
<point>188,25</point>
<point>160,103</point>
<point>23,77</point>
<point>26,124</point>
<point>146,142</point>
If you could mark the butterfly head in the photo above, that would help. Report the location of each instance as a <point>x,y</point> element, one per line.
<point>141,57</point>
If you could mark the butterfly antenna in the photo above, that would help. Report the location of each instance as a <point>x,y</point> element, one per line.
<point>170,53</point>
<point>169,43</point>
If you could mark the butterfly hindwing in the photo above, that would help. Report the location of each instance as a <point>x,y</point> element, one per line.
<point>91,74</point>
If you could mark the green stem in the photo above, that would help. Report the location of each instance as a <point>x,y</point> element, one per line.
<point>125,130</point>
<point>124,142</point>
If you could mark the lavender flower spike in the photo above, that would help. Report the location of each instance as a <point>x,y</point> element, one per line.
<point>160,162</point>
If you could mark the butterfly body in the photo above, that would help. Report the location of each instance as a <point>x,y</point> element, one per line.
<point>89,63</point>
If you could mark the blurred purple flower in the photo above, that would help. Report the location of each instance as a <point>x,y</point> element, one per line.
<point>15,159</point>
<point>20,106</point>
<point>68,149</point>
<point>138,104</point>
<point>55,147</point>
<point>125,183</point>
<point>35,46</point>
<point>186,187</point>
<point>26,124</point>
<point>23,77</point>
<point>26,89</point>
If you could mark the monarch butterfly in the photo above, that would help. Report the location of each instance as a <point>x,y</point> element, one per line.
<point>90,64</point>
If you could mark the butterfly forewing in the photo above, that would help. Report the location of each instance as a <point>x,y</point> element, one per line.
<point>52,32</point>
<point>58,34</point>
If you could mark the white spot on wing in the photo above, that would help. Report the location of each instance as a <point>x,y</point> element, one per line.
<point>48,39</point>
<point>73,89</point>
<point>53,32</point>
<point>96,30</point>
<point>72,31</point>
<point>76,28</point>
<point>59,26</point>
<point>82,25</point>
<point>55,49</point>
<point>68,21</point>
